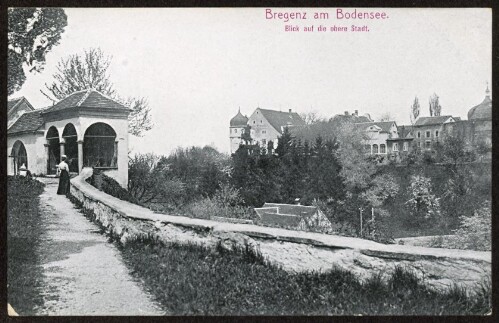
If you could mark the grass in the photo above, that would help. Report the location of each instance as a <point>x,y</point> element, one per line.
<point>24,228</point>
<point>198,281</point>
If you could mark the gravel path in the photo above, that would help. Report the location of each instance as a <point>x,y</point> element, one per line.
<point>83,274</point>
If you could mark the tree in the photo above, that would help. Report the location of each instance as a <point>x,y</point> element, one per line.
<point>32,32</point>
<point>435,108</point>
<point>386,116</point>
<point>423,203</point>
<point>90,71</point>
<point>415,110</point>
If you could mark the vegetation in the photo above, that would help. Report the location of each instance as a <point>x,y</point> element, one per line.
<point>24,229</point>
<point>90,71</point>
<point>198,281</point>
<point>32,32</point>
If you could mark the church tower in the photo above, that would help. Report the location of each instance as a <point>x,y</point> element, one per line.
<point>237,127</point>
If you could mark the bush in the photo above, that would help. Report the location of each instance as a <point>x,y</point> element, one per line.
<point>476,231</point>
<point>110,186</point>
<point>24,229</point>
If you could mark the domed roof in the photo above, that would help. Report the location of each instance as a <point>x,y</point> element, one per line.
<point>483,110</point>
<point>238,120</point>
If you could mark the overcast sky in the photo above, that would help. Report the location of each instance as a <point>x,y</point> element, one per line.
<point>197,66</point>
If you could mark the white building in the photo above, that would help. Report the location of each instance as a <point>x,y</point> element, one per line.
<point>264,126</point>
<point>87,126</point>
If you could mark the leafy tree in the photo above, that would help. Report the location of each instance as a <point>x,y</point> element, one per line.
<point>475,231</point>
<point>423,204</point>
<point>32,32</point>
<point>90,71</point>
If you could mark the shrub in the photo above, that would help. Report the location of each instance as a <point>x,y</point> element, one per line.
<point>24,229</point>
<point>110,186</point>
<point>475,231</point>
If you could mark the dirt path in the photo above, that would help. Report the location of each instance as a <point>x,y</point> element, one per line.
<point>83,274</point>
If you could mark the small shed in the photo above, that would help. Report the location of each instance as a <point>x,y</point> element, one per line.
<point>296,217</point>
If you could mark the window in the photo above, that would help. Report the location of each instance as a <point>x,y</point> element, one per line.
<point>382,149</point>
<point>375,149</point>
<point>428,134</point>
<point>261,121</point>
<point>419,144</point>
<point>264,142</point>
<point>264,131</point>
<point>436,133</point>
<point>395,146</point>
<point>235,130</point>
<point>100,146</point>
<point>254,121</point>
<point>406,146</point>
<point>419,134</point>
<point>427,144</point>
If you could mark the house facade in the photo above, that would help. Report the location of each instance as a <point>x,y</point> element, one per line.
<point>86,126</point>
<point>428,131</point>
<point>264,126</point>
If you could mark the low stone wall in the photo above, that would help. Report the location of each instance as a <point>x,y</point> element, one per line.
<point>295,251</point>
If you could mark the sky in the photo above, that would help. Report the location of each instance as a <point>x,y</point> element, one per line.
<point>196,66</point>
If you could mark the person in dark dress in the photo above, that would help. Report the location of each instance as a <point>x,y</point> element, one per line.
<point>63,177</point>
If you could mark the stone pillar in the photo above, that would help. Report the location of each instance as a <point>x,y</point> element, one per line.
<point>62,143</point>
<point>80,155</point>
<point>115,157</point>
<point>47,157</point>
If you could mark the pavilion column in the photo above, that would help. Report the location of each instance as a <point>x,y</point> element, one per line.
<point>115,157</point>
<point>80,155</point>
<point>62,143</point>
<point>47,155</point>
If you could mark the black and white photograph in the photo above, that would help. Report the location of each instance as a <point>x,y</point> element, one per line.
<point>257,161</point>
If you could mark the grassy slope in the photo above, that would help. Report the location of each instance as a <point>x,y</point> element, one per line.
<point>194,280</point>
<point>24,229</point>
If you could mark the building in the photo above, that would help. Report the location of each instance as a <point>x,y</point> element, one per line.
<point>238,126</point>
<point>376,134</point>
<point>341,119</point>
<point>15,108</point>
<point>428,131</point>
<point>87,126</point>
<point>264,126</point>
<point>291,216</point>
<point>478,128</point>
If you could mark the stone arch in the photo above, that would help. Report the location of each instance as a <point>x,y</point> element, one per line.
<point>70,137</point>
<point>100,148</point>
<point>54,149</point>
<point>19,156</point>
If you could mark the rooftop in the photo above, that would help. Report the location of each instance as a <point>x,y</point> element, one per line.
<point>28,122</point>
<point>88,99</point>
<point>279,119</point>
<point>426,121</point>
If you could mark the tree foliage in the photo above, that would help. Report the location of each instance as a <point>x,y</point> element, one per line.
<point>423,203</point>
<point>32,32</point>
<point>90,71</point>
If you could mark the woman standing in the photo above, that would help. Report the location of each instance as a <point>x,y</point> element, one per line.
<point>63,170</point>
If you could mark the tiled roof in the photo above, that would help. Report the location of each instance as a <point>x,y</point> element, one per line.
<point>28,122</point>
<point>481,111</point>
<point>280,119</point>
<point>352,118</point>
<point>86,99</point>
<point>405,131</point>
<point>12,103</point>
<point>384,125</point>
<point>300,210</point>
<point>426,121</point>
<point>280,220</point>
